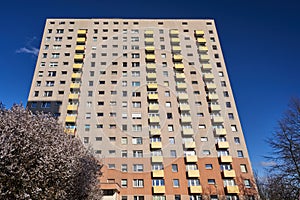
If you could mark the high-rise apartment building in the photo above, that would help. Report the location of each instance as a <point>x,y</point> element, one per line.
<point>152,98</point>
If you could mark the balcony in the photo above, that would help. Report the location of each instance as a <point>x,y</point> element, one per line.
<point>153,107</point>
<point>232,189</point>
<point>159,189</point>
<point>81,32</point>
<point>73,96</point>
<point>155,132</point>
<point>79,48</point>
<point>154,119</point>
<point>153,96</point>
<point>215,107</point>
<point>195,189</point>
<point>191,159</point>
<point>201,40</point>
<point>149,48</point>
<point>208,76</point>
<point>220,131</point>
<point>223,145</point>
<point>184,107</point>
<point>179,66</point>
<point>180,76</point>
<point>158,173</point>
<point>187,131</point>
<point>75,85</point>
<point>79,57</point>
<point>72,107</point>
<point>203,49</point>
<point>213,97</point>
<point>76,75</point>
<point>181,85</point>
<point>206,66</point>
<point>204,57</point>
<point>199,33</point>
<point>217,119</point>
<point>186,119</point>
<point>157,159</point>
<point>151,75</point>
<point>177,58</point>
<point>77,66</point>
<point>176,48</point>
<point>189,145</point>
<point>149,32</point>
<point>211,86</point>
<point>226,159</point>
<point>71,119</point>
<point>175,40</point>
<point>152,86</point>
<point>150,57</point>
<point>150,66</point>
<point>81,40</point>
<point>229,173</point>
<point>193,173</point>
<point>156,145</point>
<point>174,32</point>
<point>149,40</point>
<point>183,96</point>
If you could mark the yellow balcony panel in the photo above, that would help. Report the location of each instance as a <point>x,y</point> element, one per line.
<point>156,145</point>
<point>177,57</point>
<point>155,132</point>
<point>149,40</point>
<point>149,32</point>
<point>150,57</point>
<point>179,66</point>
<point>208,76</point>
<point>180,76</point>
<point>79,48</point>
<point>184,107</point>
<point>199,33</point>
<point>149,48</point>
<point>189,145</point>
<point>159,189</point>
<point>193,173</point>
<point>76,75</point>
<point>213,97</point>
<point>204,57</point>
<point>151,75</point>
<point>183,96</point>
<point>175,40</point>
<point>151,66</point>
<point>152,86</point>
<point>71,119</point>
<point>206,67</point>
<point>220,131</point>
<point>217,119</point>
<point>77,66</point>
<point>187,131</point>
<point>232,189</point>
<point>72,107</point>
<point>229,173</point>
<point>186,119</point>
<point>73,96</point>
<point>215,107</point>
<point>223,145</point>
<point>70,131</point>
<point>226,159</point>
<point>81,32</point>
<point>78,56</point>
<point>154,119</point>
<point>203,49</point>
<point>195,189</point>
<point>174,32</point>
<point>81,40</point>
<point>157,173</point>
<point>153,107</point>
<point>153,96</point>
<point>176,48</point>
<point>201,40</point>
<point>181,85</point>
<point>75,85</point>
<point>157,159</point>
<point>211,86</point>
<point>191,159</point>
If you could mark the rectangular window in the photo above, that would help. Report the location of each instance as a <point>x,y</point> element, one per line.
<point>124,167</point>
<point>138,167</point>
<point>175,182</point>
<point>208,166</point>
<point>137,140</point>
<point>138,183</point>
<point>135,83</point>
<point>137,153</point>
<point>240,154</point>
<point>174,168</point>
<point>243,168</point>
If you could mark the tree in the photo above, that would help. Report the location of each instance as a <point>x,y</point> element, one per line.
<point>285,144</point>
<point>39,161</point>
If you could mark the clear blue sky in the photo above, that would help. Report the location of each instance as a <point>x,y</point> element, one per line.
<point>260,41</point>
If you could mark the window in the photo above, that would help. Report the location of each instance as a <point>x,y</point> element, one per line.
<point>193,182</point>
<point>247,183</point>
<point>173,153</point>
<point>124,140</point>
<point>202,126</point>
<point>137,127</point>
<point>90,93</point>
<point>111,166</point>
<point>137,153</point>
<point>167,93</point>
<point>124,153</point>
<point>138,167</point>
<point>169,116</point>
<point>170,128</point>
<point>135,64</point>
<point>124,168</point>
<point>46,104</point>
<point>203,139</point>
<point>206,152</point>
<point>211,181</point>
<point>87,115</point>
<point>137,140</point>
<point>174,168</point>
<point>36,93</point>
<point>158,182</point>
<point>87,127</point>
<point>243,168</point>
<point>134,39</point>
<point>86,140</point>
<point>208,166</point>
<point>112,152</point>
<point>233,128</point>
<point>136,104</point>
<point>138,183</point>
<point>136,94</point>
<point>171,140</point>
<point>226,94</point>
<point>138,197</point>
<point>237,140</point>
<point>228,105</point>
<point>59,30</point>
<point>135,83</point>
<point>135,74</point>
<point>240,154</point>
<point>175,183</point>
<point>230,116</point>
<point>165,74</point>
<point>48,94</point>
<point>98,138</point>
<point>124,183</point>
<point>112,139</point>
<point>223,83</point>
<point>168,104</point>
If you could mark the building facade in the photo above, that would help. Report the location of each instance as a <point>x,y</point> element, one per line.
<point>152,98</point>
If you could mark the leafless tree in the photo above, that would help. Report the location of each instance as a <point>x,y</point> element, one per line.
<point>39,161</point>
